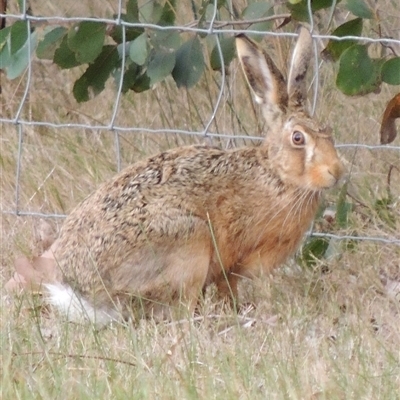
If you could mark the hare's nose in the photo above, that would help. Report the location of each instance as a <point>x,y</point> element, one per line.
<point>336,170</point>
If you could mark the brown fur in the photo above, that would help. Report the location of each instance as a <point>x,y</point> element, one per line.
<point>168,226</point>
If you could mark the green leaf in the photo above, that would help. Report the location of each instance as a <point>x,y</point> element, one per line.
<point>203,12</point>
<point>343,208</point>
<point>165,40</point>
<point>160,66</point>
<point>390,71</point>
<point>50,43</point>
<point>321,4</point>
<point>151,12</point>
<point>359,9</point>
<point>168,14</point>
<point>189,63</point>
<point>342,215</point>
<point>256,10</point>
<point>92,82</point>
<point>259,10</point>
<point>299,10</point>
<point>313,250</point>
<point>206,12</point>
<point>228,51</point>
<point>130,33</point>
<point>358,74</point>
<point>19,61</point>
<point>335,48</point>
<point>138,50</point>
<point>132,11</point>
<point>18,36</point>
<point>132,15</point>
<point>64,57</point>
<point>130,77</point>
<point>5,56</point>
<point>4,36</point>
<point>21,5</point>
<point>131,74</point>
<point>142,83</point>
<point>86,40</point>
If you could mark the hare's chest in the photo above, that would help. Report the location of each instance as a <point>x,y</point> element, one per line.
<point>268,238</point>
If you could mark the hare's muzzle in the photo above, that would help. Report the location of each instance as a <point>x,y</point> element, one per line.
<point>328,175</point>
<point>326,170</point>
<point>336,170</point>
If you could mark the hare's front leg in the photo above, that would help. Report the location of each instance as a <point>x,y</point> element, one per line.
<point>253,265</point>
<point>227,288</point>
<point>226,284</point>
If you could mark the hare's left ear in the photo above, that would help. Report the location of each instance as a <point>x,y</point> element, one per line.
<point>265,81</point>
<point>264,78</point>
<point>301,57</point>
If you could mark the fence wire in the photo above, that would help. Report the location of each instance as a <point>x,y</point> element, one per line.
<point>215,28</point>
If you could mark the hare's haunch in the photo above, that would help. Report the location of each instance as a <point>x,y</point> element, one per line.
<point>166,227</point>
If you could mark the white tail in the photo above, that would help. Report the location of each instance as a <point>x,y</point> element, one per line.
<point>76,308</point>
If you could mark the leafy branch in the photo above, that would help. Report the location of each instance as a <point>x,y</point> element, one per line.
<point>154,55</point>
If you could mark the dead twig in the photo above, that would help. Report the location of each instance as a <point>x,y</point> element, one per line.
<point>76,356</point>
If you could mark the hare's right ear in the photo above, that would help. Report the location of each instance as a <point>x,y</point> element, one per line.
<point>301,56</point>
<point>264,78</point>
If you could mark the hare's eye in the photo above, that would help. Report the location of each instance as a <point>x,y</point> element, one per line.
<point>298,138</point>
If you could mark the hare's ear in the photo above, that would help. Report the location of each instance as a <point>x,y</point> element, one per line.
<point>302,53</point>
<point>264,78</point>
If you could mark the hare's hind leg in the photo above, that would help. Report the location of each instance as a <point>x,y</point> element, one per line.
<point>187,269</point>
<point>169,277</point>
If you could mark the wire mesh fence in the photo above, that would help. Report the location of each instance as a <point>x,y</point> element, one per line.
<point>214,27</point>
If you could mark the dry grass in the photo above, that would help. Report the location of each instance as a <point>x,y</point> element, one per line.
<point>327,332</point>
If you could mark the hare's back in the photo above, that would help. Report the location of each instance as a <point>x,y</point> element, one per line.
<point>156,196</point>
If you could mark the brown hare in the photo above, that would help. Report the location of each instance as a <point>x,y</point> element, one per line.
<point>165,228</point>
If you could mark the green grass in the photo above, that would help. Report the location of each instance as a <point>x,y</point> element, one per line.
<point>309,334</point>
<point>327,331</point>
